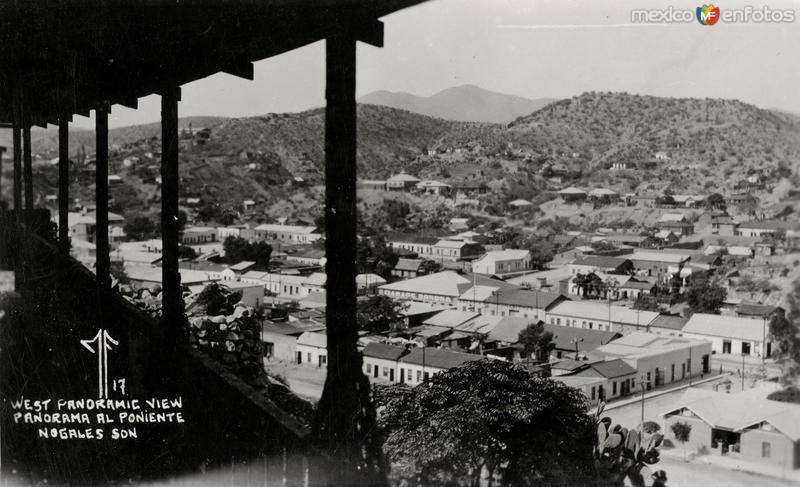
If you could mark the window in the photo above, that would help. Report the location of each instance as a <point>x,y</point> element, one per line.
<point>558,321</point>
<point>746,348</point>
<point>765,449</point>
<point>419,375</point>
<point>308,357</point>
<point>385,371</point>
<point>726,346</point>
<point>323,359</point>
<point>673,373</point>
<point>369,368</point>
<point>593,391</point>
<point>614,388</point>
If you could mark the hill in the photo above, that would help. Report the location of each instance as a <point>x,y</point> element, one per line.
<point>466,103</point>
<point>705,145</point>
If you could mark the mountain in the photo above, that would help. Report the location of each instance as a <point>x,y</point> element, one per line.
<point>467,103</point>
<point>711,144</point>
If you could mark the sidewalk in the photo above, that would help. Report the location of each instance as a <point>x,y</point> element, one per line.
<point>737,464</point>
<point>666,389</point>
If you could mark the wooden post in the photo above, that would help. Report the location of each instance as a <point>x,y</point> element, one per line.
<point>27,171</point>
<point>63,184</point>
<point>172,298</point>
<point>103,264</point>
<point>2,151</point>
<point>17,136</point>
<point>345,415</point>
<point>17,151</point>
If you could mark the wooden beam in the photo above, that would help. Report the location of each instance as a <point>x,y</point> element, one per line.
<point>2,151</point>
<point>241,70</point>
<point>17,149</point>
<point>63,184</point>
<point>103,264</point>
<point>27,166</point>
<point>371,32</point>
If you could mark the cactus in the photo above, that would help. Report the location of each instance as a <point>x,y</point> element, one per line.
<point>620,453</point>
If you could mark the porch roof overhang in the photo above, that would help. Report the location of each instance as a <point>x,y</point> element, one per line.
<point>65,57</point>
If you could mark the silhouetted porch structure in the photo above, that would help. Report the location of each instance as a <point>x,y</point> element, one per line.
<point>65,57</point>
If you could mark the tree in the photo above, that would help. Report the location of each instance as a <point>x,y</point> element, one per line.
<point>705,296</point>
<point>682,432</point>
<point>140,228</point>
<point>536,341</point>
<point>622,454</point>
<point>379,313</point>
<point>715,201</point>
<point>783,331</point>
<point>646,302</point>
<point>186,252</point>
<point>238,249</point>
<point>490,416</point>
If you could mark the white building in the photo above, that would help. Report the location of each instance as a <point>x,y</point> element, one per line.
<point>599,315</point>
<point>502,262</point>
<point>730,334</point>
<point>312,349</point>
<point>294,234</point>
<point>660,359</point>
<point>198,235</point>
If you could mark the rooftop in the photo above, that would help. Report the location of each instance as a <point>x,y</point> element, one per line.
<point>740,410</point>
<point>383,351</point>
<point>438,358</point>
<point>599,312</point>
<point>726,326</point>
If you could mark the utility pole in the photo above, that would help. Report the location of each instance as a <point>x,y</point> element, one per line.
<point>642,383</point>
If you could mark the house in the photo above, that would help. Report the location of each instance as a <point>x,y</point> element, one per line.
<point>436,188</point>
<point>408,268</point>
<point>589,385</point>
<point>142,277</point>
<point>601,263</point>
<point>402,182</point>
<point>572,194</point>
<point>373,184</point>
<point>602,194</point>
<point>291,234</point>
<point>312,348</point>
<point>252,294</point>
<point>459,224</point>
<point>453,250</point>
<point>520,203</point>
<point>570,341</point>
<point>368,283</point>
<point>309,257</point>
<point>421,245</point>
<point>422,362</point>
<point>608,286</point>
<point>441,288</point>
<point>659,359</point>
<point>597,315</point>
<point>745,426</point>
<point>280,339</point>
<point>235,271</point>
<point>198,235</point>
<point>682,228</point>
<point>730,334</point>
<point>688,200</point>
<point>380,361</point>
<point>757,311</point>
<point>759,228</point>
<point>724,225</point>
<point>665,324</point>
<point>502,262</point>
<point>567,341</point>
<point>618,379</point>
<point>471,187</point>
<point>493,299</point>
<point>225,232</point>
<point>656,263</point>
<point>667,236</point>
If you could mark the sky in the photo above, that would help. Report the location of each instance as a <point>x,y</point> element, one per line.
<point>530,48</point>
